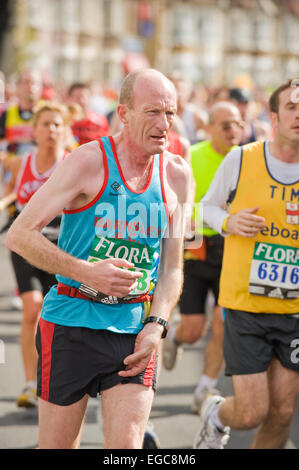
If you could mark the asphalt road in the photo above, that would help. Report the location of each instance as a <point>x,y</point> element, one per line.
<point>171,416</point>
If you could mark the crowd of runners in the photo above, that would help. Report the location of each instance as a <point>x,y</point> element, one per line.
<point>94,181</point>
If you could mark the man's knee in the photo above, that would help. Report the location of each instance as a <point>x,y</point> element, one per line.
<point>191,336</point>
<point>253,417</point>
<point>282,414</point>
<point>31,313</point>
<point>251,411</point>
<point>32,304</point>
<point>192,328</point>
<point>131,438</point>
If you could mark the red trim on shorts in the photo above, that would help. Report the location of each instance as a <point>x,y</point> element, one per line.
<point>97,197</point>
<point>149,373</point>
<point>163,188</point>
<point>47,333</point>
<point>122,175</point>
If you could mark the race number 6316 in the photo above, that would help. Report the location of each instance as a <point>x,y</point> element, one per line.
<point>276,272</point>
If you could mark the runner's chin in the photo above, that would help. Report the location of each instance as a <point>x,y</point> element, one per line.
<point>159,144</point>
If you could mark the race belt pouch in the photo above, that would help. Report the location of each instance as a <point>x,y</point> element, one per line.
<point>196,250</point>
<point>98,296</point>
<point>88,293</point>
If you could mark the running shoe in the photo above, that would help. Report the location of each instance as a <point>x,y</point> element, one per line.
<point>171,351</point>
<point>28,397</point>
<point>208,435</point>
<point>150,440</point>
<point>16,301</point>
<point>200,396</point>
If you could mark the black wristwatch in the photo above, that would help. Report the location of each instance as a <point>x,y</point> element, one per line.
<point>159,320</point>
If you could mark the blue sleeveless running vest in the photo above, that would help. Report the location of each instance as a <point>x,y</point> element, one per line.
<point>119,223</point>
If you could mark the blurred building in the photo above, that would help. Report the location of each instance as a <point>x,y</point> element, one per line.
<point>214,42</point>
<point>224,41</point>
<point>73,39</point>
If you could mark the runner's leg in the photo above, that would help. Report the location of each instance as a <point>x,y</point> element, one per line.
<point>32,303</point>
<point>283,392</point>
<point>244,410</point>
<point>60,426</point>
<point>191,328</point>
<point>214,354</point>
<point>128,404</point>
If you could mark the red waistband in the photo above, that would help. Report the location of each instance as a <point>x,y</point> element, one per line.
<point>64,289</point>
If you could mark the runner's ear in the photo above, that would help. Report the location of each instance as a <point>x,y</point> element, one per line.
<point>122,111</point>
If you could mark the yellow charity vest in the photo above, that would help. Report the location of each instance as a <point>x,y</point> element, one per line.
<point>18,133</point>
<point>261,274</point>
<point>16,128</point>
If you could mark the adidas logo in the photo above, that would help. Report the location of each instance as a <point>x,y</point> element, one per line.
<point>277,293</point>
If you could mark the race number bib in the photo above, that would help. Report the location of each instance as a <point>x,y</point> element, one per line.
<point>140,255</point>
<point>275,271</point>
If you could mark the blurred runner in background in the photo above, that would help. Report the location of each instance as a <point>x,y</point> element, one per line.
<point>27,174</point>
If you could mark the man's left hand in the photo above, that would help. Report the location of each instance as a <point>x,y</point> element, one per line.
<point>147,341</point>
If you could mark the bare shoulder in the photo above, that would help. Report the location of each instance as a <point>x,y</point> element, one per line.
<point>13,164</point>
<point>84,166</point>
<point>177,173</point>
<point>87,157</point>
<point>175,165</point>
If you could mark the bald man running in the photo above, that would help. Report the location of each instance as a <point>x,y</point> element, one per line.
<point>119,198</point>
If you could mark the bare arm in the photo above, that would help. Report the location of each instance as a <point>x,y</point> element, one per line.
<point>9,194</point>
<point>245,222</point>
<point>85,168</point>
<point>168,287</point>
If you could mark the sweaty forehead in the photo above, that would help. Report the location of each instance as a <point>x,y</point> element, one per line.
<point>154,90</point>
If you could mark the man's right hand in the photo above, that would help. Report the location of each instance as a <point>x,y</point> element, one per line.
<point>107,277</point>
<point>245,223</point>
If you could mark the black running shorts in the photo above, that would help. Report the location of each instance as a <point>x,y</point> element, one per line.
<point>199,278</point>
<point>30,278</point>
<point>252,340</point>
<point>75,361</point>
